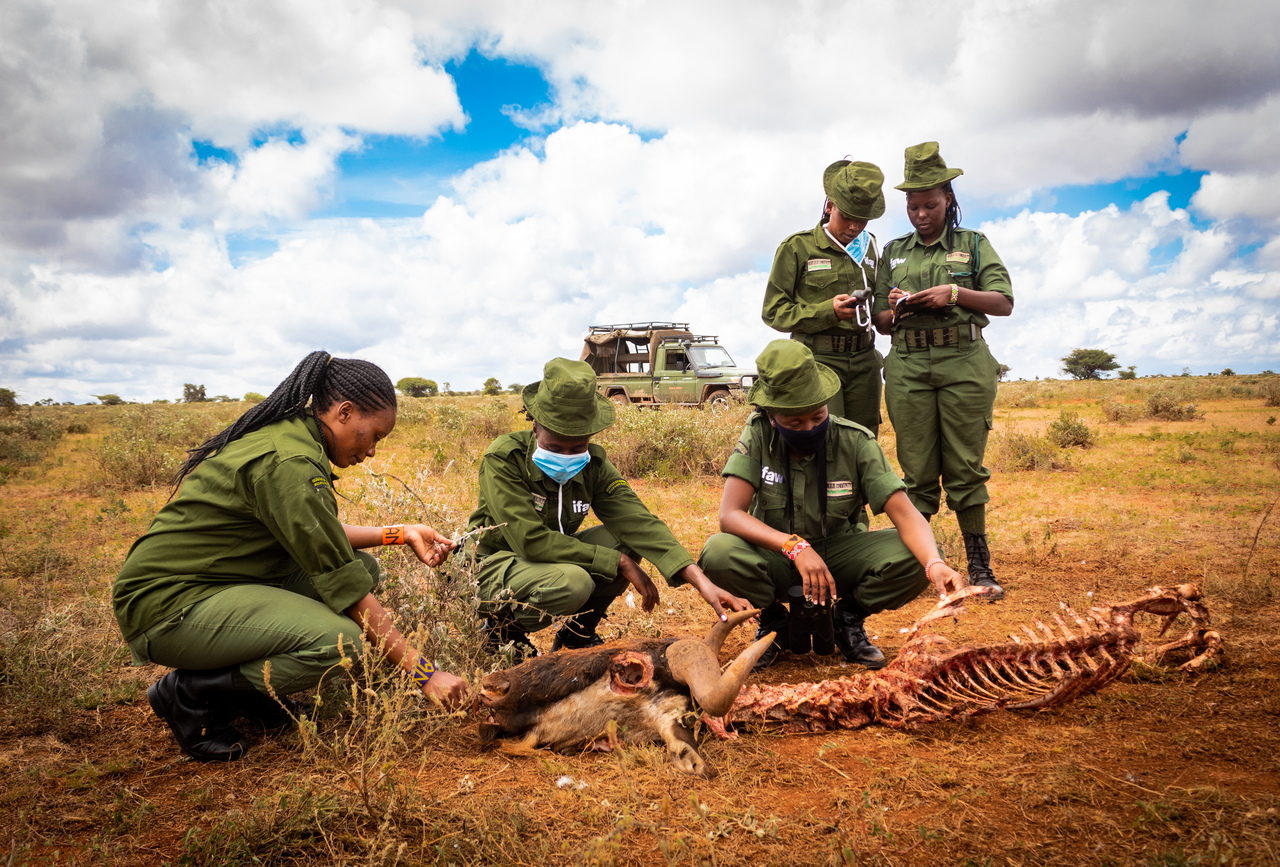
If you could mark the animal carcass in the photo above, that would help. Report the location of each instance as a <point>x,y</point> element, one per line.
<point>566,701</point>
<point>931,680</point>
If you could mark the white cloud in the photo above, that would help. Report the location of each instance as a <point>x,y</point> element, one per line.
<point>693,142</point>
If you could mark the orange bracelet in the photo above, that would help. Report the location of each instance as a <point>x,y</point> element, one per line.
<point>793,546</point>
<point>393,535</point>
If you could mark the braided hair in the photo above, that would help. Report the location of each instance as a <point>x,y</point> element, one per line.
<point>953,215</point>
<point>323,379</point>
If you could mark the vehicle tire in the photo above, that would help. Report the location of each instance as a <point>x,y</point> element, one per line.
<point>718,399</point>
<point>620,398</point>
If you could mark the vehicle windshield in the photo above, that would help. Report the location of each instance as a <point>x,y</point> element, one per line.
<point>710,356</point>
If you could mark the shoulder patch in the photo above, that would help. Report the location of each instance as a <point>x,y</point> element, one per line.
<point>615,484</point>
<point>741,448</point>
<point>958,256</point>
<point>319,483</point>
<point>817,265</point>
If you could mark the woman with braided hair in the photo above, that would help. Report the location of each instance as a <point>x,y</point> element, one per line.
<point>248,580</point>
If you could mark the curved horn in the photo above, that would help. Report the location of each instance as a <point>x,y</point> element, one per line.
<point>715,638</point>
<point>695,664</point>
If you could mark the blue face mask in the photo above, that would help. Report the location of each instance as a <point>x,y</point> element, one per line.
<point>560,468</point>
<point>858,246</point>
<point>805,442</point>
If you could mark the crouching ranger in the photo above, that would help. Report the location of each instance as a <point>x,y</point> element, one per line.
<point>536,488</point>
<point>795,485</point>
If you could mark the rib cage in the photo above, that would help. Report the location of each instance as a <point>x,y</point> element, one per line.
<point>930,680</point>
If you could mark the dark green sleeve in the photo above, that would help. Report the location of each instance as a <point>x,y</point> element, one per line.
<point>620,510</point>
<point>746,460</point>
<point>786,308</point>
<point>993,276</point>
<point>876,475</point>
<point>509,500</point>
<point>294,500</point>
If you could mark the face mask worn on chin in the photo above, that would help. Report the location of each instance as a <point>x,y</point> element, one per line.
<point>805,442</point>
<point>560,468</point>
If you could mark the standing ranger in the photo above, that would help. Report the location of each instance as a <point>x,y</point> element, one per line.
<point>821,285</point>
<point>934,291</point>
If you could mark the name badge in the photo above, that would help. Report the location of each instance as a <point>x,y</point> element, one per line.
<point>538,502</point>
<point>958,256</point>
<point>839,489</point>
<point>818,265</point>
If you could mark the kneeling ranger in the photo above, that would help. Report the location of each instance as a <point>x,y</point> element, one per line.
<point>536,487</point>
<point>795,485</point>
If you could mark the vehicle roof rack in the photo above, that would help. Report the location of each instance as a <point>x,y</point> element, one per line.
<point>640,326</point>
<point>690,338</point>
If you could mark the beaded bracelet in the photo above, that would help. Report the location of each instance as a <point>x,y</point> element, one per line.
<point>928,567</point>
<point>793,546</point>
<point>955,294</point>
<point>422,672</point>
<point>393,535</point>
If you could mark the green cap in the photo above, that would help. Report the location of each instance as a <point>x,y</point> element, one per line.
<point>855,188</point>
<point>565,400</point>
<point>925,168</point>
<point>790,381</point>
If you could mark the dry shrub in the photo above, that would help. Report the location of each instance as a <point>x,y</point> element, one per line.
<point>1122,413</point>
<point>1070,432</point>
<point>147,445</point>
<point>1166,407</point>
<point>26,439</point>
<point>1271,389</point>
<point>1020,451</point>
<point>672,444</point>
<point>458,430</point>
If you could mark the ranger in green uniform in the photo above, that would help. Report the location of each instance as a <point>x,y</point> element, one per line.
<point>250,567</point>
<point>795,485</point>
<point>821,284</point>
<point>536,488</point>
<point>934,291</point>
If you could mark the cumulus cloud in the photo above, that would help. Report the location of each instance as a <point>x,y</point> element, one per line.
<point>682,142</point>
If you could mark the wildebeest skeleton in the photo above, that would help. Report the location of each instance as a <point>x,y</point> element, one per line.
<point>565,701</point>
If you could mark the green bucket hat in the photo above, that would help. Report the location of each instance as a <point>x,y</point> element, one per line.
<point>565,400</point>
<point>790,381</point>
<point>855,188</point>
<point>925,168</point>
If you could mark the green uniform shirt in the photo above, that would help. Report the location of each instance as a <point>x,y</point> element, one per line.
<point>912,266</point>
<point>809,270</point>
<point>858,474</point>
<point>541,516</point>
<point>258,512</point>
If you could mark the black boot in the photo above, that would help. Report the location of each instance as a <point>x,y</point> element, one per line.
<point>851,634</point>
<point>580,631</point>
<point>266,711</point>
<point>980,574</point>
<point>772,619</point>
<point>501,631</point>
<point>199,707</point>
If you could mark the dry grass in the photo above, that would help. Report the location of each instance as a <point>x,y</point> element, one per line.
<point>1159,769</point>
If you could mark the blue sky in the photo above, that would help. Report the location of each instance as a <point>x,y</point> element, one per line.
<point>458,193</point>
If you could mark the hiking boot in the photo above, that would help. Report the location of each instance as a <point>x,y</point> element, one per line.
<point>198,707</point>
<point>851,634</point>
<point>499,632</point>
<point>580,630</point>
<point>980,574</point>
<point>772,619</point>
<point>267,712</point>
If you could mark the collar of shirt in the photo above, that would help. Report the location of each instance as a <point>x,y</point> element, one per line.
<point>915,241</point>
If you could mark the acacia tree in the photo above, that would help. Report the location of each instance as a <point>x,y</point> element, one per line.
<point>8,400</point>
<point>492,386</point>
<point>416,386</point>
<point>1088,363</point>
<point>193,393</point>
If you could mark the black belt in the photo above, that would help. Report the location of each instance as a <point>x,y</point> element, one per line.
<point>838,343</point>
<point>922,338</point>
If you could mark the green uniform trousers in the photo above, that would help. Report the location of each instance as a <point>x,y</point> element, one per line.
<point>858,399</point>
<point>250,625</point>
<point>533,593</point>
<point>875,568</point>
<point>940,400</point>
